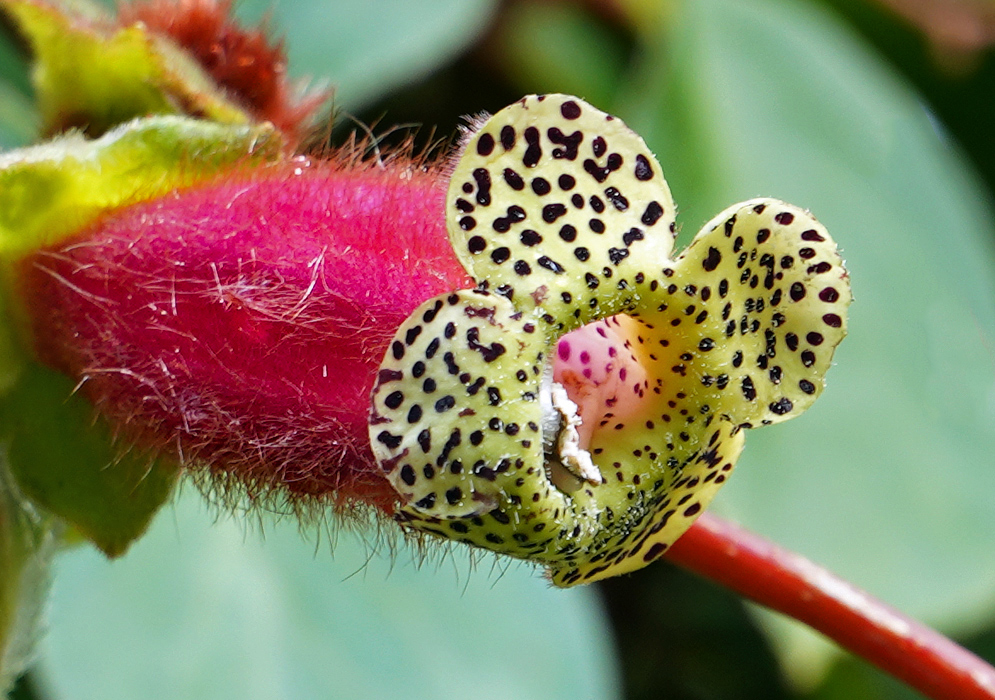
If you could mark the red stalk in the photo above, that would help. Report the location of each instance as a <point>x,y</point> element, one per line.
<point>790,584</point>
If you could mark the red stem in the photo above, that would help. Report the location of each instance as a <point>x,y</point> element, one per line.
<point>791,584</point>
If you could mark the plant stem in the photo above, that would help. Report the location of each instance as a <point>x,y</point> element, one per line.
<point>791,584</point>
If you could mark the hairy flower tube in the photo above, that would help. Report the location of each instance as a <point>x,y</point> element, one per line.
<point>235,326</point>
<point>592,451</point>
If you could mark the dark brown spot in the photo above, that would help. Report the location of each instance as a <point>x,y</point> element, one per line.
<point>550,265</point>
<point>570,110</point>
<point>394,400</point>
<point>444,404</point>
<point>530,238</point>
<point>485,144</point>
<point>598,146</point>
<point>652,214</point>
<point>483,179</point>
<point>408,475</point>
<point>552,212</point>
<point>570,143</point>
<point>712,260</point>
<point>617,199</point>
<point>390,441</point>
<point>749,391</point>
<point>514,180</point>
<point>534,151</point>
<point>541,186</point>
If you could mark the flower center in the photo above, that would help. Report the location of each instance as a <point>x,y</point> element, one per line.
<point>596,383</point>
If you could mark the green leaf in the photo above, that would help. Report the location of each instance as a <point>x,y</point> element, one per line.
<point>67,462</point>
<point>17,117</point>
<point>888,480</point>
<point>364,48</point>
<point>27,544</point>
<point>49,192</point>
<point>560,47</point>
<point>199,609</point>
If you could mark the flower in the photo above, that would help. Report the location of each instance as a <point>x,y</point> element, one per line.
<point>581,405</point>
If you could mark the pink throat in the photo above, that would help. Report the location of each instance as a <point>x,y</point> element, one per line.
<point>597,368</point>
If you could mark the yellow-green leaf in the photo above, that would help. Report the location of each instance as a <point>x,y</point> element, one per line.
<point>50,191</point>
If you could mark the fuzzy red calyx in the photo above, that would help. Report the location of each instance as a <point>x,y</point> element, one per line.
<point>238,325</point>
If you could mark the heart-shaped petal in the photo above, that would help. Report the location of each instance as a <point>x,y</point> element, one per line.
<point>556,203</point>
<point>456,411</point>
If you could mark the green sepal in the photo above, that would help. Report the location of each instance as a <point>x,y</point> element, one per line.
<point>50,191</point>
<point>67,461</point>
<point>91,74</point>
<point>28,542</point>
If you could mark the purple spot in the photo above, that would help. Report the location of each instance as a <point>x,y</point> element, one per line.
<point>564,351</point>
<point>622,373</point>
<point>585,356</point>
<point>587,373</point>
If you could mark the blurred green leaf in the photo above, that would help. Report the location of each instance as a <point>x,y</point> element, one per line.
<point>560,47</point>
<point>66,462</point>
<point>366,47</point>
<point>95,78</point>
<point>682,638</point>
<point>17,118</point>
<point>888,480</point>
<point>199,609</point>
<point>13,64</point>
<point>27,544</point>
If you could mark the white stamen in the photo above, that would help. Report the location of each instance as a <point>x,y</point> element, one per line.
<point>576,459</point>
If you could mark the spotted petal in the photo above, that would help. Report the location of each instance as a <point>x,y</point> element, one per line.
<point>592,452</point>
<point>761,295</point>
<point>559,204</point>
<point>456,409</point>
